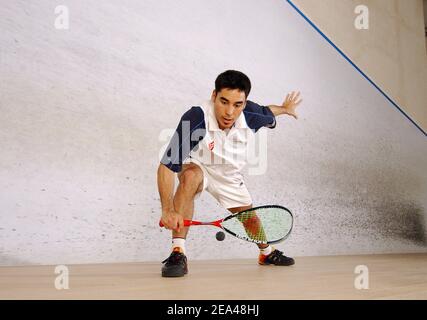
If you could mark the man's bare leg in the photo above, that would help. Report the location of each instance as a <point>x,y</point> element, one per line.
<point>279,258</point>
<point>190,183</point>
<point>239,209</point>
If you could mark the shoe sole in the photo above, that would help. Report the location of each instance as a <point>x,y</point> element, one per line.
<point>176,274</point>
<point>172,275</point>
<point>272,264</point>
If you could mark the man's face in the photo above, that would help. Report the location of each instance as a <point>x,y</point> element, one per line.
<point>228,105</point>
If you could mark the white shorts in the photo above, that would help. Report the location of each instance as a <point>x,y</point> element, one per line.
<point>230,194</point>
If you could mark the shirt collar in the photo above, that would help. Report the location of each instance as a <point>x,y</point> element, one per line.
<point>240,122</point>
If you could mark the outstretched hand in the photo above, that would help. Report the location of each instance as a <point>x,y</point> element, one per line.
<point>291,102</point>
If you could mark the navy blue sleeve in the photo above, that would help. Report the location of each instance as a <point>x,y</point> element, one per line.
<point>190,131</point>
<point>258,116</point>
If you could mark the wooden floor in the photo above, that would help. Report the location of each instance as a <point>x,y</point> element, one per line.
<point>332,277</point>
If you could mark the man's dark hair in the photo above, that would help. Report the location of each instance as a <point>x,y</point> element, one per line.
<point>232,79</point>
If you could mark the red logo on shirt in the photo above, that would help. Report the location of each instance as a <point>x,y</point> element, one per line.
<point>211,146</point>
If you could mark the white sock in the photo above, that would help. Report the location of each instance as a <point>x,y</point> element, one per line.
<point>266,251</point>
<point>178,242</point>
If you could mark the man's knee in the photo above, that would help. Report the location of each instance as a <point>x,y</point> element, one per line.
<point>191,178</point>
<point>239,209</point>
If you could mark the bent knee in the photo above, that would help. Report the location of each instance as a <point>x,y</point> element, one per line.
<point>192,176</point>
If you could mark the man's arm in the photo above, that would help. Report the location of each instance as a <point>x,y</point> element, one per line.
<point>177,151</point>
<point>288,106</point>
<point>165,184</point>
<point>277,110</point>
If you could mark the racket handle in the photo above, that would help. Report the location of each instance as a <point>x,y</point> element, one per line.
<point>187,223</point>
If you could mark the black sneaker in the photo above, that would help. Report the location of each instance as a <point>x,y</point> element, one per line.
<point>277,258</point>
<point>176,264</point>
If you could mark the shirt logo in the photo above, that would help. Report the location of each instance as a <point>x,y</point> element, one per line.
<point>211,146</point>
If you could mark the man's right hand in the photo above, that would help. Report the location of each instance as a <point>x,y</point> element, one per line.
<point>172,220</point>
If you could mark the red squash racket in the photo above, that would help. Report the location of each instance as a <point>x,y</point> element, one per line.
<point>264,225</point>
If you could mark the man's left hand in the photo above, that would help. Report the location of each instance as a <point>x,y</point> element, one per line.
<point>291,102</point>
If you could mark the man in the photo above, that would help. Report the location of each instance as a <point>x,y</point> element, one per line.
<point>206,153</point>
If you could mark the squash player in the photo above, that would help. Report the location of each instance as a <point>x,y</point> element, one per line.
<point>206,154</point>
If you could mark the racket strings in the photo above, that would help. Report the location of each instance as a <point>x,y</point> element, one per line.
<point>253,226</point>
<point>261,225</point>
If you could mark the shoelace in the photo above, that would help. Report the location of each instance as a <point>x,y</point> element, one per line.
<point>174,257</point>
<point>277,255</point>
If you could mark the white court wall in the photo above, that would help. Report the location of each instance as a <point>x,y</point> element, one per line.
<point>392,51</point>
<point>82,112</point>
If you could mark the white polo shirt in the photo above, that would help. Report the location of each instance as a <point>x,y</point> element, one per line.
<point>223,153</point>
<point>199,137</point>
